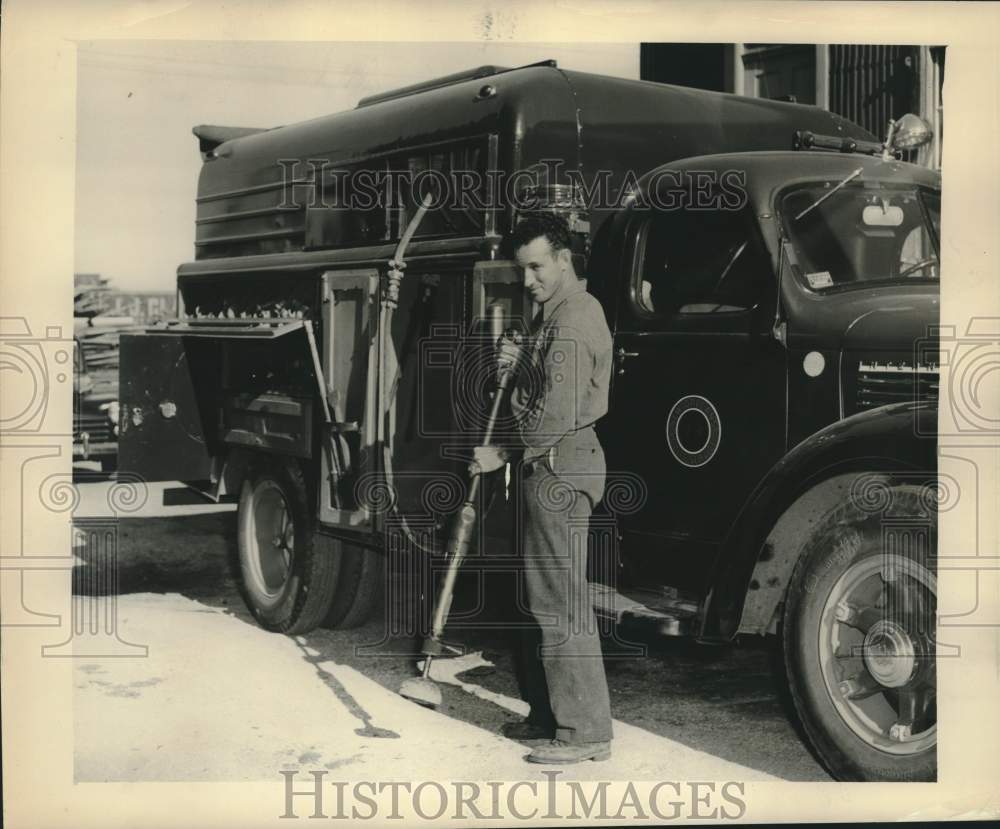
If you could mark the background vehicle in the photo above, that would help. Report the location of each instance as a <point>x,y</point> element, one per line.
<point>753,468</point>
<point>95,416</point>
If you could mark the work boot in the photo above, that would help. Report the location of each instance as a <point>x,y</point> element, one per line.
<point>561,752</point>
<point>526,730</point>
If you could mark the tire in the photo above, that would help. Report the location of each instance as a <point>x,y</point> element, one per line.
<point>858,640</point>
<point>288,571</point>
<point>361,584</point>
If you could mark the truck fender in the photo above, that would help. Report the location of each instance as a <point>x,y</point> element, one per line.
<point>785,542</point>
<point>234,466</point>
<point>876,447</point>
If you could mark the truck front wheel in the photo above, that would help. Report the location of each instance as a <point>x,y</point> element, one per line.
<point>859,644</point>
<point>288,571</point>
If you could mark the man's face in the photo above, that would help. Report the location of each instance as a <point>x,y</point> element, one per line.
<point>545,271</point>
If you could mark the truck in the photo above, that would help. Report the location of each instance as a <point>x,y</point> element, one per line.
<point>770,275</point>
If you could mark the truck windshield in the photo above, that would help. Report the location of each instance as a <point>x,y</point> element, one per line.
<point>861,234</point>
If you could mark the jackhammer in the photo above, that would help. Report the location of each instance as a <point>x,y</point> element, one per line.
<point>422,689</point>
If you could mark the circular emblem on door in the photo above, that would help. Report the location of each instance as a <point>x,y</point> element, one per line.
<point>694,431</point>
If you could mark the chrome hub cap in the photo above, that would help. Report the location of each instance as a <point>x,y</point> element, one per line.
<point>889,654</point>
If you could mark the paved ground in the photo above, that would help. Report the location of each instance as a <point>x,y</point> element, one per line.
<point>217,698</point>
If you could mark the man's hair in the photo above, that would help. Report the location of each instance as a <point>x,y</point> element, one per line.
<point>554,228</point>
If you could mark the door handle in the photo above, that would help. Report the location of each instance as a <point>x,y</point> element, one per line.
<point>621,355</point>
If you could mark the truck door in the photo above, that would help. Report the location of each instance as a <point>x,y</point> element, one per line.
<point>698,390</point>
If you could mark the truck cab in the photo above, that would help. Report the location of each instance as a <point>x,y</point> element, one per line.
<point>774,393</point>
<point>745,323</point>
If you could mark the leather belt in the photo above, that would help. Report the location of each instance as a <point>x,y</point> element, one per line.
<point>528,467</point>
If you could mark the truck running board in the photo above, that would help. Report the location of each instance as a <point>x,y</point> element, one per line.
<point>670,614</point>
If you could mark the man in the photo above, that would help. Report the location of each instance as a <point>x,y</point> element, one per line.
<point>560,392</point>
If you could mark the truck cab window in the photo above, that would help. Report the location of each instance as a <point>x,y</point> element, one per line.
<point>701,262</point>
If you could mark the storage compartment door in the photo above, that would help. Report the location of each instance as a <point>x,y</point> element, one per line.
<point>350,367</point>
<point>169,405</point>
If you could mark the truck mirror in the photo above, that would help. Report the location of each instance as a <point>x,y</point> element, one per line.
<point>875,215</point>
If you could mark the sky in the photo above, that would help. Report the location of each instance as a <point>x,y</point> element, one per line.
<point>137,162</point>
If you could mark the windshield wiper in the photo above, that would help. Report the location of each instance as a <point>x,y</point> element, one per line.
<point>825,196</point>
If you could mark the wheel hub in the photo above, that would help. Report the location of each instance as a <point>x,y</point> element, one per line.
<point>877,662</point>
<point>283,538</point>
<point>889,654</point>
<point>271,535</point>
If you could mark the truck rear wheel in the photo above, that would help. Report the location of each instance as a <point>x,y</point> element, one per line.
<point>361,583</point>
<point>289,571</point>
<point>859,642</point>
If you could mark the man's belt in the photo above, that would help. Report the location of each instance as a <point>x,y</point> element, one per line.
<point>528,467</point>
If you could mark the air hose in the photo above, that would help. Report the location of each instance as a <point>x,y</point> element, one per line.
<point>390,301</point>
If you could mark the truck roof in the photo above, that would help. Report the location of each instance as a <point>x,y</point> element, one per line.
<point>590,122</point>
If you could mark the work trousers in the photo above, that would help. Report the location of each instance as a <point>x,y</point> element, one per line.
<point>560,666</point>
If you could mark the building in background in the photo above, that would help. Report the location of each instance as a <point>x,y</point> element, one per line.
<point>143,306</point>
<point>101,313</point>
<point>95,299</point>
<point>90,291</point>
<point>868,84</point>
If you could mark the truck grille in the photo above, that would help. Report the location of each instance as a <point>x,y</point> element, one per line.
<point>96,426</point>
<point>881,383</point>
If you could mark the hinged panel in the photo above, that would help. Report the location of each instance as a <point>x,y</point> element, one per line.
<point>168,406</point>
<point>227,329</point>
<point>350,368</point>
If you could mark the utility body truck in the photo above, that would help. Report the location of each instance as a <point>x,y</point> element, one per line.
<point>769,272</point>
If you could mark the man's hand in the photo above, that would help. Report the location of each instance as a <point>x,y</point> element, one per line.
<point>509,350</point>
<point>487,459</point>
